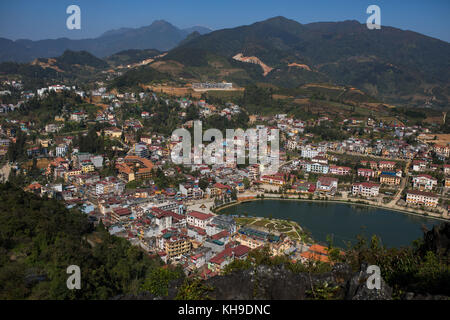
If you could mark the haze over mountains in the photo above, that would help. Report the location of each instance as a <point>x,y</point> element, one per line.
<point>395,65</point>
<point>160,35</point>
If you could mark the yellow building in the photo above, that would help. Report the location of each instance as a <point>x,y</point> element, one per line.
<point>87,167</point>
<point>175,245</point>
<point>71,173</point>
<point>113,132</point>
<point>251,242</point>
<point>447,182</point>
<point>423,198</point>
<point>44,142</point>
<point>391,180</point>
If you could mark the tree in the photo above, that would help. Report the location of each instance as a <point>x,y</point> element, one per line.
<point>203,183</point>
<point>234,194</point>
<point>246,183</point>
<point>158,279</point>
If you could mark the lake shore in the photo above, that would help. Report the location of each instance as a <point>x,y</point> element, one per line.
<point>342,220</point>
<point>356,203</point>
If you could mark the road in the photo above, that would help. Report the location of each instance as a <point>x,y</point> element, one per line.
<point>402,186</point>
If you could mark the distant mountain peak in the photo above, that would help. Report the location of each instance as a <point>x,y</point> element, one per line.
<point>280,19</point>
<point>162,24</point>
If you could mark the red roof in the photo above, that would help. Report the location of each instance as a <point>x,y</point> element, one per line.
<point>366,170</point>
<point>122,211</point>
<point>327,180</point>
<point>220,257</point>
<point>220,235</point>
<point>221,186</point>
<point>200,215</point>
<point>426,176</point>
<point>367,184</point>
<point>241,250</point>
<point>422,193</point>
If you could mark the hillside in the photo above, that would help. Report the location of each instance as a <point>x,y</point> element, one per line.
<point>132,56</point>
<point>40,238</point>
<point>75,66</point>
<point>140,75</point>
<point>399,66</point>
<point>70,60</point>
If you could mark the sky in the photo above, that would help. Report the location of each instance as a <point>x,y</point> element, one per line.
<point>46,19</point>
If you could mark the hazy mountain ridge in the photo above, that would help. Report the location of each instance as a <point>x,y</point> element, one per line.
<point>399,67</point>
<point>160,35</point>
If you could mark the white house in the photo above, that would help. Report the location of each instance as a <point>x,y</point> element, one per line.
<point>366,189</point>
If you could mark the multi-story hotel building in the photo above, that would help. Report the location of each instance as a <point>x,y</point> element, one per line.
<point>366,189</point>
<point>427,199</point>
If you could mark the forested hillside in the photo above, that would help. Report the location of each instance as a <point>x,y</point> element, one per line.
<point>40,238</point>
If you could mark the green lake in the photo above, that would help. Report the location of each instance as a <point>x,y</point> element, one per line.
<point>342,221</point>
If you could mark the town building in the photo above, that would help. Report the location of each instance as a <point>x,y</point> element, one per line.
<point>327,184</point>
<point>198,219</point>
<point>365,189</point>
<point>423,198</point>
<point>424,182</point>
<point>390,178</point>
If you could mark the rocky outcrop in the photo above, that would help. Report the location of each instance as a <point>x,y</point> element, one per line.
<point>357,287</point>
<point>278,283</point>
<point>437,239</point>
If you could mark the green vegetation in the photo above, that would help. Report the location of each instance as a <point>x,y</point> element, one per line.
<point>381,64</point>
<point>70,59</point>
<point>17,150</point>
<point>414,268</point>
<point>39,239</point>
<point>92,142</point>
<point>33,76</point>
<point>141,75</point>
<point>44,110</point>
<point>262,256</point>
<point>158,279</point>
<point>131,56</point>
<point>328,131</point>
<point>193,289</point>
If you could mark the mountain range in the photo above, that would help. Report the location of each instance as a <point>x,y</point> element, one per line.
<point>397,66</point>
<point>160,35</point>
<point>391,63</point>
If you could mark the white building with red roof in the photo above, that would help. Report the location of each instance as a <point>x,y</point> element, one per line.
<point>198,219</point>
<point>327,184</point>
<point>366,189</point>
<point>424,182</point>
<point>223,258</point>
<point>366,173</point>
